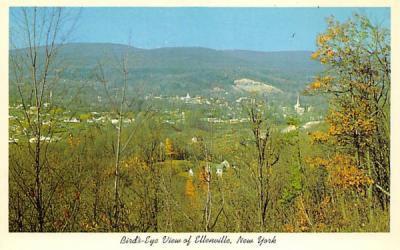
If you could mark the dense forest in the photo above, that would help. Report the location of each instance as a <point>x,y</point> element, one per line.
<point>147,163</point>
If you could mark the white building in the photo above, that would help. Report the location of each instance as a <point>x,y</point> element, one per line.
<point>72,120</point>
<point>299,110</point>
<point>186,98</point>
<point>13,140</point>
<point>225,164</point>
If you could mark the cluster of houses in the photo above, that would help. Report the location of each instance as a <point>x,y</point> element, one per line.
<point>232,112</point>
<point>230,121</point>
<point>16,130</point>
<point>45,139</point>
<point>186,99</point>
<point>230,116</point>
<point>218,169</point>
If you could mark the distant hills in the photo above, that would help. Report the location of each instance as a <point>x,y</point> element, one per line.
<point>188,69</point>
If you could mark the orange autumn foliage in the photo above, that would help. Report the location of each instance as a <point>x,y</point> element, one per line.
<point>318,137</point>
<point>355,124</point>
<point>320,83</point>
<point>342,172</point>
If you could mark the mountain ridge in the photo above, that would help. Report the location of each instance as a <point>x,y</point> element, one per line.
<point>197,69</point>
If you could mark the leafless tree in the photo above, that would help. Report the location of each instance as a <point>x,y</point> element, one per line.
<point>35,36</point>
<point>120,104</point>
<point>267,156</point>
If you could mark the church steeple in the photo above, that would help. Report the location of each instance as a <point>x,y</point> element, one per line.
<point>298,102</point>
<point>299,110</point>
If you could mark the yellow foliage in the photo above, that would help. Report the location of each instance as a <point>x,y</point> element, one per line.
<point>321,82</point>
<point>73,142</point>
<point>330,53</point>
<point>315,85</point>
<point>354,122</point>
<point>203,177</point>
<point>319,137</point>
<point>316,54</point>
<point>343,172</point>
<point>347,177</point>
<point>169,148</point>
<point>317,162</point>
<point>133,162</point>
<point>288,228</point>
<point>324,60</point>
<point>327,79</point>
<point>302,217</point>
<point>190,190</point>
<point>322,39</point>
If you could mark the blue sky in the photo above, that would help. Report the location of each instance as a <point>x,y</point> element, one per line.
<point>264,29</point>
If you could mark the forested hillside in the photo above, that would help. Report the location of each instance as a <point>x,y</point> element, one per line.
<point>196,70</point>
